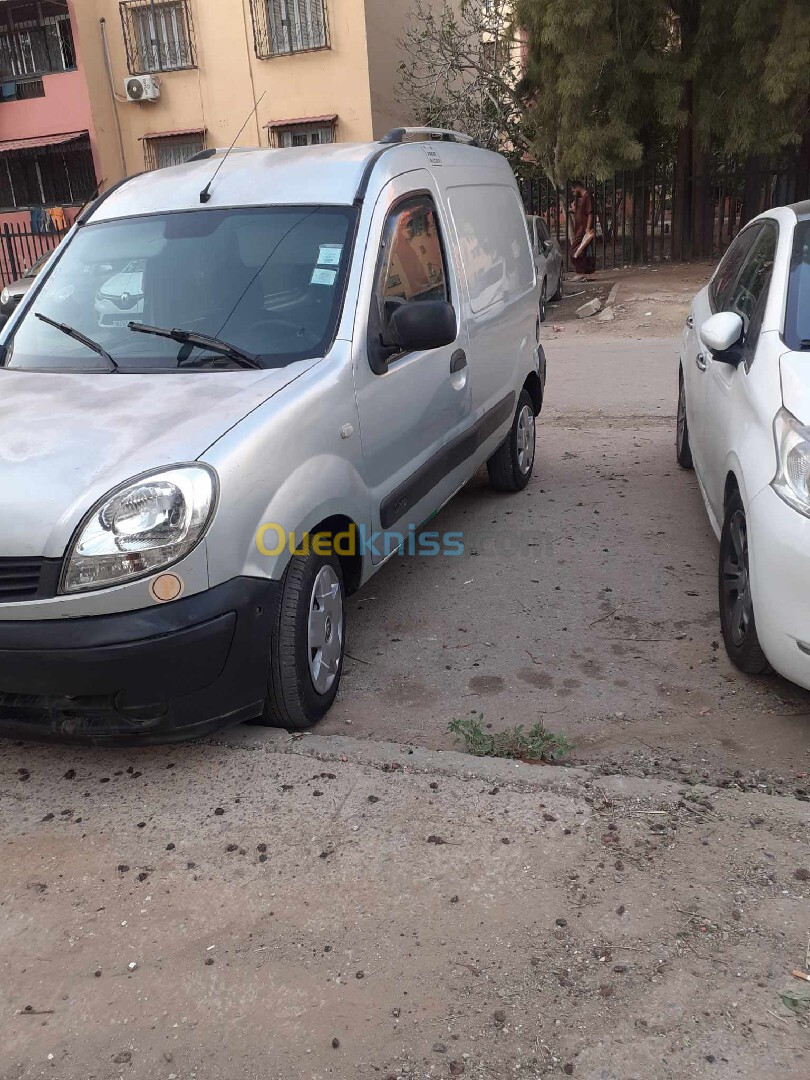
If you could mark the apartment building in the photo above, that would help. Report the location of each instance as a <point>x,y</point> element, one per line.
<point>48,150</point>
<point>95,90</point>
<point>170,77</point>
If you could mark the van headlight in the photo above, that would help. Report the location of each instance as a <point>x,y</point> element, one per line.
<point>143,526</point>
<point>792,480</point>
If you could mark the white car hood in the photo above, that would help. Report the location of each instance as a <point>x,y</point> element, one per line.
<point>67,439</point>
<point>795,372</point>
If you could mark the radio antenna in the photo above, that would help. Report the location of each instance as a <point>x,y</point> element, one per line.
<point>205,194</point>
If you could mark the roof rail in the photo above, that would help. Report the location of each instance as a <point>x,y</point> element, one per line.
<point>426,134</point>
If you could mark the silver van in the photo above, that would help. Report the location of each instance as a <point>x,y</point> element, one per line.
<point>327,343</point>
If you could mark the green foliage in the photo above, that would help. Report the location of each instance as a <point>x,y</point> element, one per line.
<point>608,83</point>
<point>535,744</point>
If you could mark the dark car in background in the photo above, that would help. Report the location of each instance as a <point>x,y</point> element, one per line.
<point>13,293</point>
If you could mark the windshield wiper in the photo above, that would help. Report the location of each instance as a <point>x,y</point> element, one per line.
<point>203,341</point>
<point>77,335</point>
<point>804,343</point>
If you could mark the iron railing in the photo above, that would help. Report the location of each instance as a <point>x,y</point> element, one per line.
<point>35,39</point>
<point>160,151</point>
<point>63,174</point>
<point>643,217</point>
<point>158,35</point>
<point>20,248</point>
<point>281,27</point>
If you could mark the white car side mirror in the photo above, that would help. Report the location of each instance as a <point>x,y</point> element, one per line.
<point>721,331</point>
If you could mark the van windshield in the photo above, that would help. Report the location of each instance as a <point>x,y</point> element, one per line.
<point>266,281</point>
<point>797,318</point>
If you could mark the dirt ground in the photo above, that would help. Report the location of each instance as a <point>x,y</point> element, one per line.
<point>227,911</point>
<point>366,904</point>
<point>587,601</point>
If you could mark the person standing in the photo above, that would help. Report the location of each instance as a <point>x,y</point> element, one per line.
<point>582,249</point>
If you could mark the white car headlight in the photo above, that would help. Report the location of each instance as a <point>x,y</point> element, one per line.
<point>5,296</point>
<point>792,480</point>
<point>143,526</point>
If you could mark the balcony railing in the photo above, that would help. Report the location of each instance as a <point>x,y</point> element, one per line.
<point>35,39</point>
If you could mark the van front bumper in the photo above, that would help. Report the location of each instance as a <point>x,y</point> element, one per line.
<point>167,673</point>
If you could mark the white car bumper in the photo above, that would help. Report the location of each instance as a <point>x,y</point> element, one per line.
<point>779,557</point>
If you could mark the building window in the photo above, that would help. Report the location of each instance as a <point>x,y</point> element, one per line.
<point>305,132</point>
<point>281,27</point>
<point>159,35</point>
<point>35,39</point>
<point>61,174</point>
<point>172,148</point>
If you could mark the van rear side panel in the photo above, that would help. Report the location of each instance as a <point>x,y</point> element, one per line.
<point>493,242</point>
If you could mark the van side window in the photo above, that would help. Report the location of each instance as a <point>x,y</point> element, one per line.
<point>412,265</point>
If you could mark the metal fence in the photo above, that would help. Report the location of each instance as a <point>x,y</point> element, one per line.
<point>20,248</point>
<point>642,218</point>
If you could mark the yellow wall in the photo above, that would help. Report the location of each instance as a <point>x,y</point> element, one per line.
<point>355,78</point>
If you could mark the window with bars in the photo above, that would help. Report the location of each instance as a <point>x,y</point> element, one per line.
<point>60,175</point>
<point>160,151</point>
<point>302,134</point>
<point>281,27</point>
<point>159,35</point>
<point>35,39</point>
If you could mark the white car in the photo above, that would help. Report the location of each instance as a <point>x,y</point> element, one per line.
<point>744,424</point>
<point>548,262</point>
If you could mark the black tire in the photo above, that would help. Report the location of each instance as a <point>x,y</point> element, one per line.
<point>293,699</point>
<point>510,467</point>
<point>543,301</point>
<point>559,293</point>
<point>683,451</point>
<point>736,605</point>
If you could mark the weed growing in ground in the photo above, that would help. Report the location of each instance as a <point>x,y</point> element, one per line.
<point>536,743</point>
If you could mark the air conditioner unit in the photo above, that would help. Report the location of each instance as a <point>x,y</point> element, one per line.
<point>142,88</point>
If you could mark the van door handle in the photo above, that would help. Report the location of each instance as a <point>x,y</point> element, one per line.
<point>700,360</point>
<point>458,361</point>
<point>690,322</point>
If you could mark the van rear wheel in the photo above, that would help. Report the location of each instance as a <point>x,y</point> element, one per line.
<point>308,643</point>
<point>510,467</point>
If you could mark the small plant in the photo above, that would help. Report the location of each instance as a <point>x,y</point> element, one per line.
<point>536,743</point>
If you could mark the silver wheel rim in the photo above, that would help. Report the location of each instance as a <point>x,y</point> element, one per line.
<point>325,630</point>
<point>543,303</point>
<point>736,584</point>
<point>525,439</point>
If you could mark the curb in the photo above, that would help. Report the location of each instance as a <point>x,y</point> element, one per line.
<point>579,782</point>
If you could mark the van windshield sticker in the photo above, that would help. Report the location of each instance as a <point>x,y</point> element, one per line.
<point>322,276</point>
<point>329,254</point>
<point>433,155</point>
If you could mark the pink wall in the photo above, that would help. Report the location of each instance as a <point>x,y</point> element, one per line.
<point>65,107</point>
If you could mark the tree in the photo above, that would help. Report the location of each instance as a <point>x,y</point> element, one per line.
<point>607,85</point>
<point>463,66</point>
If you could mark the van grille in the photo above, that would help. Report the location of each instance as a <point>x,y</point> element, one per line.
<point>28,579</point>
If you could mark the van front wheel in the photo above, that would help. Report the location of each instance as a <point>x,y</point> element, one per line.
<point>510,467</point>
<point>308,643</point>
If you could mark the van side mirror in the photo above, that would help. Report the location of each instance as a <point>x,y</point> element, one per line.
<point>720,334</point>
<point>423,324</point>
